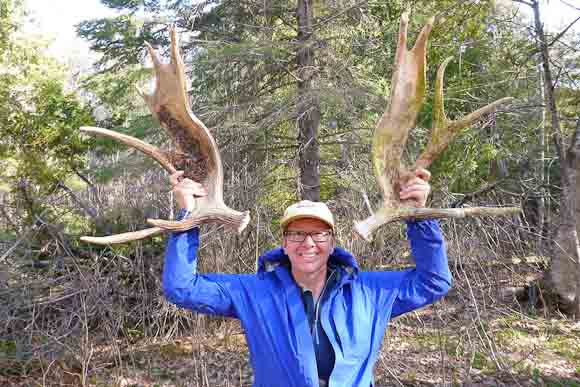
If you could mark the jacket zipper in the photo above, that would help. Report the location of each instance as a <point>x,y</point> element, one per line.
<point>314,331</point>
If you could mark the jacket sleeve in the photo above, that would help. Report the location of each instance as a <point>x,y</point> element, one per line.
<point>183,286</point>
<point>430,279</point>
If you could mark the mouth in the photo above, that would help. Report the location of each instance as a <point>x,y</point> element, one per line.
<point>308,255</point>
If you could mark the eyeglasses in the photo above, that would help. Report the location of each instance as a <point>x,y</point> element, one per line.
<point>300,236</point>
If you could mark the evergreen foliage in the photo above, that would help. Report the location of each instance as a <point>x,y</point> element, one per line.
<point>40,145</point>
<point>244,79</point>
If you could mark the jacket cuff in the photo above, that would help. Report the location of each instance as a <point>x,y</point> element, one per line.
<point>424,228</point>
<point>182,214</point>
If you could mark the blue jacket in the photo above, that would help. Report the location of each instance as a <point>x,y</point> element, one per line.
<point>271,310</point>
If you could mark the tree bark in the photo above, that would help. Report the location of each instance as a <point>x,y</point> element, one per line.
<point>574,169</point>
<point>541,170</point>
<point>308,105</point>
<point>565,270</point>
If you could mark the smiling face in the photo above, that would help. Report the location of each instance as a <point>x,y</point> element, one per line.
<point>308,257</point>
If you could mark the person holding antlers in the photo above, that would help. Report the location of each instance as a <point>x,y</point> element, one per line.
<point>310,316</point>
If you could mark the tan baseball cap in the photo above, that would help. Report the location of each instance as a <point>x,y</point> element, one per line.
<point>307,209</point>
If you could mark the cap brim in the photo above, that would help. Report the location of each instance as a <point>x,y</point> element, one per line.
<point>291,219</point>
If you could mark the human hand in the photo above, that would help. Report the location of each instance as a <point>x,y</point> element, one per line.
<point>186,190</point>
<point>415,188</point>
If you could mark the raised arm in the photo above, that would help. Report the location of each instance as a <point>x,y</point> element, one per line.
<point>430,279</point>
<point>182,285</point>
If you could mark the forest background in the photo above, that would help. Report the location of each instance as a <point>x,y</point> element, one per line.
<point>78,314</point>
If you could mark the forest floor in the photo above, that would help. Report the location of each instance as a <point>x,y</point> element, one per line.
<point>479,340</point>
<point>526,352</point>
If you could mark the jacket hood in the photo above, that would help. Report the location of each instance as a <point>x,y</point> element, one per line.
<point>272,258</point>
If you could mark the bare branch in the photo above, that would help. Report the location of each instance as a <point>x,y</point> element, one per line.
<point>569,5</point>
<point>557,37</point>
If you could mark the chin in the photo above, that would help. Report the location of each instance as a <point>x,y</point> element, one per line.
<point>310,268</point>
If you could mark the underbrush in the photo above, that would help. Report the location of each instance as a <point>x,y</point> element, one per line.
<point>99,319</point>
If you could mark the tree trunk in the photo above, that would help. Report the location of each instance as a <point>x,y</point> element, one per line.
<point>565,270</point>
<point>541,170</point>
<point>565,273</point>
<point>308,105</point>
<point>574,162</point>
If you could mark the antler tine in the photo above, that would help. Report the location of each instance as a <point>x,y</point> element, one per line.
<point>402,43</point>
<point>420,47</point>
<point>383,216</point>
<point>234,220</point>
<point>148,149</point>
<point>154,57</point>
<point>407,95</point>
<point>124,237</point>
<point>439,116</point>
<point>444,131</point>
<point>177,60</point>
<point>133,142</point>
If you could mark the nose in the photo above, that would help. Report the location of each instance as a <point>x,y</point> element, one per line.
<point>308,241</point>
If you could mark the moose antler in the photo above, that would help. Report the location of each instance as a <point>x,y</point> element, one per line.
<point>407,95</point>
<point>195,153</point>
